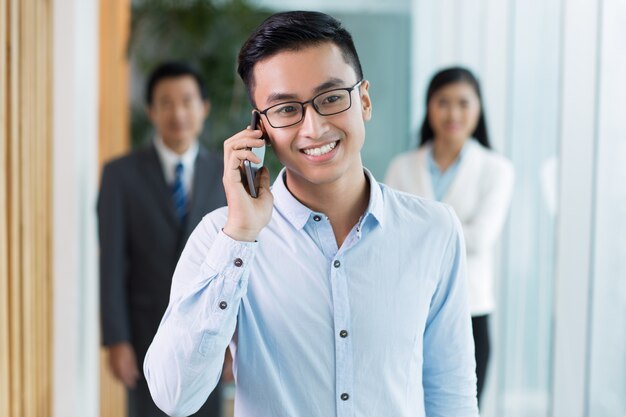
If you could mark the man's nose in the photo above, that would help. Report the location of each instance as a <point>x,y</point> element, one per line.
<point>312,122</point>
<point>179,112</point>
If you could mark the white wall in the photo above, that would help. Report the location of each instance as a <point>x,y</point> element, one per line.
<point>75,119</point>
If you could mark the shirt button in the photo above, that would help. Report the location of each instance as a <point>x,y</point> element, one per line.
<point>345,396</point>
<point>317,218</point>
<point>223,305</point>
<point>238,262</point>
<point>336,264</point>
<point>343,333</point>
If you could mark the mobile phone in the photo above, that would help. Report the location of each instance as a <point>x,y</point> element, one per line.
<point>251,168</point>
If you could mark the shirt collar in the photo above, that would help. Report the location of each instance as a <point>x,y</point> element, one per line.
<point>376,204</point>
<point>298,214</point>
<point>171,158</point>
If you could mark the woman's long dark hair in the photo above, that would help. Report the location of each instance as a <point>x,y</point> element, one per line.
<point>449,76</point>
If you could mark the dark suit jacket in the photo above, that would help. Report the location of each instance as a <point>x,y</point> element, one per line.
<point>141,240</point>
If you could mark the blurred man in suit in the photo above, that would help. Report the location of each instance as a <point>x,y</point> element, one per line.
<point>149,202</point>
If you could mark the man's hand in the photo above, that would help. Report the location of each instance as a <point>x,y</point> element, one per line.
<point>227,368</point>
<point>247,216</point>
<point>123,363</point>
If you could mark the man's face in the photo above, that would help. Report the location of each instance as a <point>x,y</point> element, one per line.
<point>320,149</point>
<point>178,111</point>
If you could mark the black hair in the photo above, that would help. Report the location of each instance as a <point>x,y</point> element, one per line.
<point>292,31</point>
<point>449,76</point>
<point>173,69</point>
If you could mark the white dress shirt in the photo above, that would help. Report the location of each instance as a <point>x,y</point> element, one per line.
<point>169,159</point>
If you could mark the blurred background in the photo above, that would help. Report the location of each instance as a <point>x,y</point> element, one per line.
<point>552,73</point>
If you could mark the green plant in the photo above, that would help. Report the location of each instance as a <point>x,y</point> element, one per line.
<point>206,33</point>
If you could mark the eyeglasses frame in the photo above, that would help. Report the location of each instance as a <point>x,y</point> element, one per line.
<point>312,102</point>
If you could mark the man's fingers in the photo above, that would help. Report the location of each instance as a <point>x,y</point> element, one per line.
<point>134,376</point>
<point>245,135</point>
<point>130,379</point>
<point>237,157</point>
<point>129,374</point>
<point>247,143</point>
<point>236,150</point>
<point>123,364</point>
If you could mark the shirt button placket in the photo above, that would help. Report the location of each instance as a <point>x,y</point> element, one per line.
<point>343,344</point>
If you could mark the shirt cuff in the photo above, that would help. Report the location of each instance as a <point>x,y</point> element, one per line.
<point>229,257</point>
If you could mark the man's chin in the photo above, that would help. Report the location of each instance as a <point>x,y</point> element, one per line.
<point>315,176</point>
<point>177,142</point>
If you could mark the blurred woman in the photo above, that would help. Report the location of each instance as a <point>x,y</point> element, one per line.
<point>455,164</point>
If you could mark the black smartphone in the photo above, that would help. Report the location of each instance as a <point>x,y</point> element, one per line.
<point>251,168</point>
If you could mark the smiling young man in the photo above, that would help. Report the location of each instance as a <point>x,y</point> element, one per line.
<point>338,296</point>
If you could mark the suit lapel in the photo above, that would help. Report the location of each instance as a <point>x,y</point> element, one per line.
<point>153,172</point>
<point>202,187</point>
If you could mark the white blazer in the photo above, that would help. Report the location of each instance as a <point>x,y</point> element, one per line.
<point>480,195</point>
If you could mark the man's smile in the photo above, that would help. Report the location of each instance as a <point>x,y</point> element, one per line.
<point>321,150</point>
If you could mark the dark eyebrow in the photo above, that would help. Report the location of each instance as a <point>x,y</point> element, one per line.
<point>330,84</point>
<point>279,97</point>
<point>327,85</point>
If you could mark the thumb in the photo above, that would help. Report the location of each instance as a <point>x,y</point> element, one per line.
<point>264,180</point>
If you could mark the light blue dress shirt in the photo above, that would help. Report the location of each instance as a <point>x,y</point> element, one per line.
<point>441,181</point>
<point>378,327</point>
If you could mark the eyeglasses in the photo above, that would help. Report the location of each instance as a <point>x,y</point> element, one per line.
<point>327,103</point>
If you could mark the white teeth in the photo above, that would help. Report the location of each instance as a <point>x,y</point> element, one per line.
<point>321,150</point>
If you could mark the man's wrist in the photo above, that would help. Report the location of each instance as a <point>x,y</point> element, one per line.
<point>240,235</point>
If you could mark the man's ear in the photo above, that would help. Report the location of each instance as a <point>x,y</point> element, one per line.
<point>207,107</point>
<point>262,122</point>
<point>148,110</point>
<point>366,101</point>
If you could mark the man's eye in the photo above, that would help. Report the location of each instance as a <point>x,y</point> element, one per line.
<point>165,103</point>
<point>286,109</point>
<point>332,99</point>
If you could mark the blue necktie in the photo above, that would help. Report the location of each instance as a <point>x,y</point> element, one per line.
<point>178,194</point>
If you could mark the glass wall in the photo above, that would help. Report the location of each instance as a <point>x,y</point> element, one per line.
<point>520,383</point>
<point>606,391</point>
